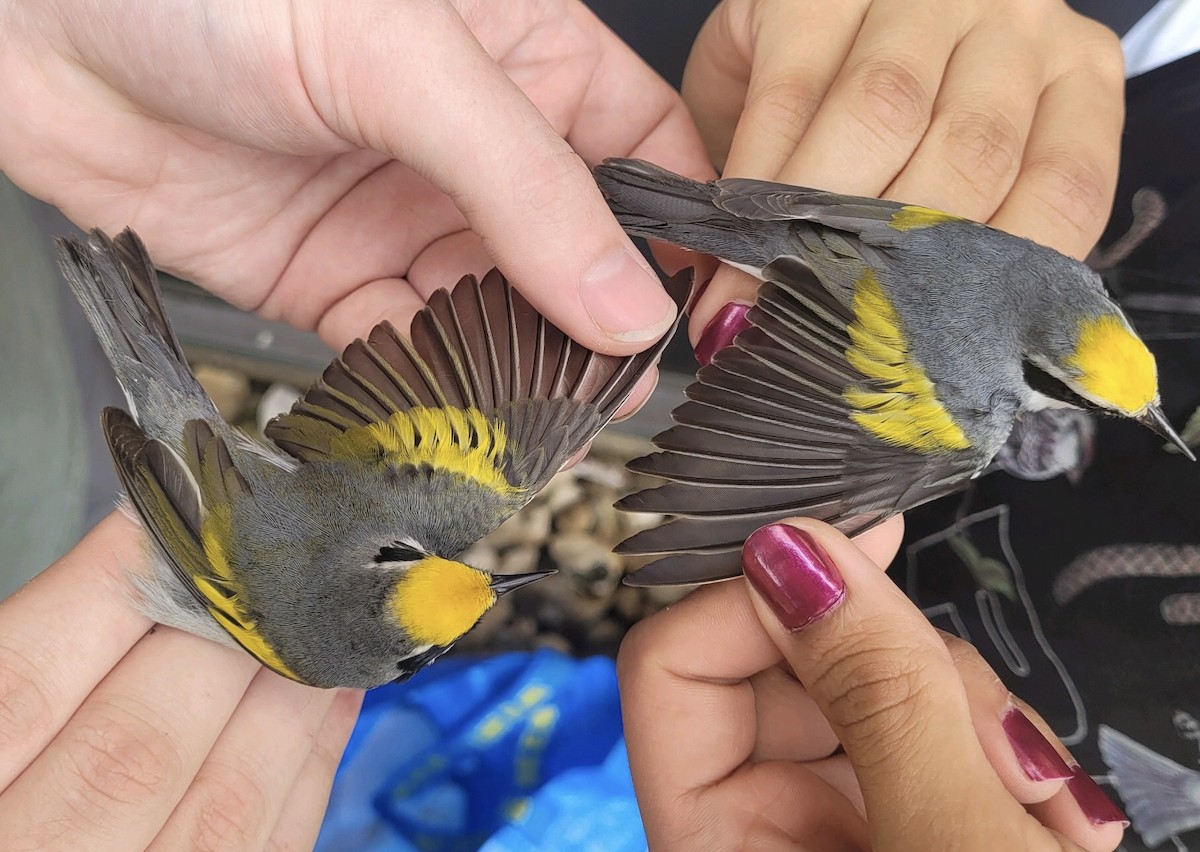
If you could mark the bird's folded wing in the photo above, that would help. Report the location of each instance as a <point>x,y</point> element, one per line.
<point>186,504</point>
<point>876,222</point>
<point>780,425</point>
<point>485,368</point>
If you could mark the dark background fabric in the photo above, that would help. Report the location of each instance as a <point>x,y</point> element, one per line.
<point>1079,594</point>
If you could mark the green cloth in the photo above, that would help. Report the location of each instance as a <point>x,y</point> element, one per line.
<point>44,459</point>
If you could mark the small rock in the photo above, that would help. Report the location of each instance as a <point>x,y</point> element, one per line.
<point>664,596</point>
<point>495,622</point>
<point>519,560</point>
<point>600,472</point>
<point>608,521</point>
<point>560,492</point>
<point>605,637</point>
<point>635,522</point>
<point>628,603</point>
<point>593,568</point>
<point>228,389</point>
<point>276,399</point>
<point>482,557</point>
<point>531,525</point>
<point>579,518</point>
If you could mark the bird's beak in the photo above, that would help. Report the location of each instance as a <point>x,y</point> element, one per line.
<point>505,583</point>
<point>1157,422</point>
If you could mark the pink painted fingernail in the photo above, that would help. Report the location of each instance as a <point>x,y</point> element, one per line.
<point>793,573</point>
<point>1038,759</point>
<point>1095,804</point>
<point>721,330</point>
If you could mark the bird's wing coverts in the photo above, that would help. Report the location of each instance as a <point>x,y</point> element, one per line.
<point>537,396</point>
<point>876,222</point>
<point>769,433</point>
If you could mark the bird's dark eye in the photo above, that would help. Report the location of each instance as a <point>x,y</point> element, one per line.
<point>399,552</point>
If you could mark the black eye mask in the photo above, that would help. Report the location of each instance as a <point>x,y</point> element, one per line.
<point>1044,383</point>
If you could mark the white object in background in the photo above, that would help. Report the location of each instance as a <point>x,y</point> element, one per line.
<point>277,399</point>
<point>1169,31</point>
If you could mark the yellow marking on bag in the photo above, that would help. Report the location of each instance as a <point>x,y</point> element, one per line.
<point>905,411</point>
<point>913,218</point>
<point>457,441</point>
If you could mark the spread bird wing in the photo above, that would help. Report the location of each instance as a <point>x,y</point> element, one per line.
<point>186,506</point>
<point>506,392</point>
<point>816,410</point>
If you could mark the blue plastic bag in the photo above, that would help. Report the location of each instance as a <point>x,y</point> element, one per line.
<point>518,752</point>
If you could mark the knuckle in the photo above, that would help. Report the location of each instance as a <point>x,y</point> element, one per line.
<point>1074,188</point>
<point>25,707</point>
<point>1099,48</point>
<point>784,108</point>
<point>116,756</point>
<point>229,810</point>
<point>985,147</point>
<point>889,96</point>
<point>873,695</point>
<point>975,669</point>
<point>552,184</point>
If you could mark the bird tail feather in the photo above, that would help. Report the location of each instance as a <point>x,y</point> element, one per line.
<point>117,286</point>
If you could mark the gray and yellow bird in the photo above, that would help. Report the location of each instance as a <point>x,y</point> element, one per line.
<point>890,350</point>
<point>329,554</point>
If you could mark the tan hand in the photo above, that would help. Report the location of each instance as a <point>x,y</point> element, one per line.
<point>1005,112</point>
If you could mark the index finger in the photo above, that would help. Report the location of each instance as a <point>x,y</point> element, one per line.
<point>889,688</point>
<point>61,634</point>
<point>686,698</point>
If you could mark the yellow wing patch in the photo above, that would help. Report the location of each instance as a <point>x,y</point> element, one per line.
<point>908,413</point>
<point>912,218</point>
<point>437,600</point>
<point>1114,365</point>
<point>222,591</point>
<point>466,443</point>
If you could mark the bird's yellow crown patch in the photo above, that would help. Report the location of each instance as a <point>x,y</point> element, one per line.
<point>437,600</point>
<point>463,442</point>
<point>913,218</point>
<point>905,411</point>
<point>223,591</point>
<point>1114,365</point>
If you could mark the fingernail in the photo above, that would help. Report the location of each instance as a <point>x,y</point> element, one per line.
<point>626,300</point>
<point>1038,759</point>
<point>721,330</point>
<point>1095,804</point>
<point>793,573</point>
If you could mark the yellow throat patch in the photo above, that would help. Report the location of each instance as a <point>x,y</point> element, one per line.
<point>1114,365</point>
<point>463,442</point>
<point>438,600</point>
<point>906,412</point>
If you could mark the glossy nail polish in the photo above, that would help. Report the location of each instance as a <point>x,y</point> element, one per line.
<point>1095,804</point>
<point>1038,759</point>
<point>721,330</point>
<point>793,573</point>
